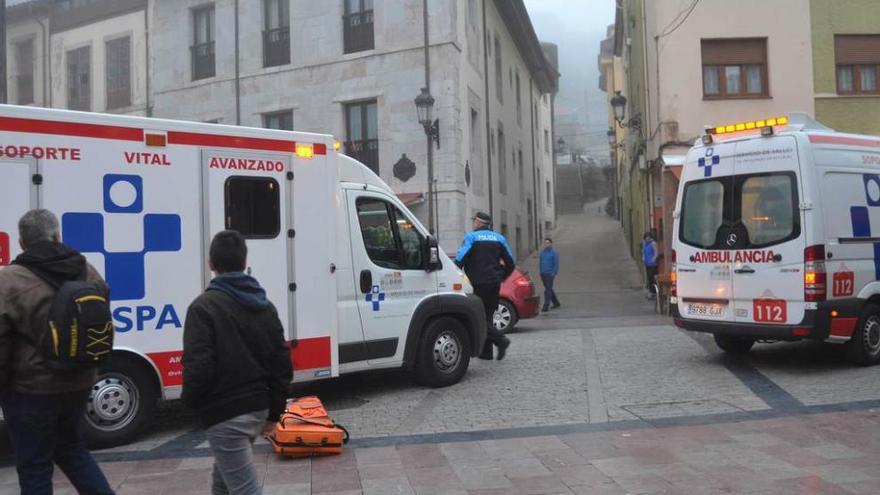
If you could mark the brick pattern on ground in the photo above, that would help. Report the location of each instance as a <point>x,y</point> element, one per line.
<point>825,454</point>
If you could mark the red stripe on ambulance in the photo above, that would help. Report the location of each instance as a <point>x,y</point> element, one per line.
<point>71,129</point>
<point>848,141</point>
<point>197,139</point>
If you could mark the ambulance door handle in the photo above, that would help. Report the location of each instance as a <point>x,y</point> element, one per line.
<point>744,270</point>
<point>366,281</point>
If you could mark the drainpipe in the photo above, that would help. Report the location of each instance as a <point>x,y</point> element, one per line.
<point>534,165</point>
<point>237,73</point>
<point>47,100</point>
<point>487,97</point>
<point>149,108</point>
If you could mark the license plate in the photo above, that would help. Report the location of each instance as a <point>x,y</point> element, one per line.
<point>700,309</point>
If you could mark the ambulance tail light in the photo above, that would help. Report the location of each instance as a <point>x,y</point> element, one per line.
<point>673,275</point>
<point>815,288</point>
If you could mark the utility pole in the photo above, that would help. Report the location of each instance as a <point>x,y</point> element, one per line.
<point>431,223</point>
<point>3,93</point>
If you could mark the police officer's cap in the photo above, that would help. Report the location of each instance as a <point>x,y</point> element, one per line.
<point>483,217</point>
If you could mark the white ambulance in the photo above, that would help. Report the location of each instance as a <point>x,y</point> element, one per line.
<point>777,236</point>
<point>358,281</point>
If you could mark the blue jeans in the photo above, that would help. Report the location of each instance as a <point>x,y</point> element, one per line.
<point>232,444</point>
<point>549,293</point>
<point>48,428</point>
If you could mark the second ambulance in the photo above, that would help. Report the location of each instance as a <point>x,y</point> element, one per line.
<point>777,236</point>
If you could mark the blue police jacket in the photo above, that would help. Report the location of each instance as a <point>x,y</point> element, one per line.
<point>481,255</point>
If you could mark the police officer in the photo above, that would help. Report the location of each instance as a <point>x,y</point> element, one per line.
<point>487,260</point>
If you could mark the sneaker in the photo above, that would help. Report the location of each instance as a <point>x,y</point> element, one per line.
<point>502,348</point>
<point>544,310</point>
<point>487,353</point>
<point>556,306</point>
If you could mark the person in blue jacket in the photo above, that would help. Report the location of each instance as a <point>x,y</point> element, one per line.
<point>650,255</point>
<point>549,269</point>
<point>487,260</point>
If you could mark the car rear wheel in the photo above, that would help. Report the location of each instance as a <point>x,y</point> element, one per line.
<point>505,317</point>
<point>864,347</point>
<point>734,345</point>
<point>444,353</point>
<point>121,403</point>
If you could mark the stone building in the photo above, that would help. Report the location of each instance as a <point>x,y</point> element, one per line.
<point>351,68</point>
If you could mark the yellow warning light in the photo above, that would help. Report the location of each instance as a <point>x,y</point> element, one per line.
<point>747,126</point>
<point>305,150</point>
<point>336,145</point>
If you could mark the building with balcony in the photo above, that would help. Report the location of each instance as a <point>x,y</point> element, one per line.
<point>351,68</point>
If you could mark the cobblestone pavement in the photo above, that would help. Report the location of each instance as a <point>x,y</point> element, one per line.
<point>601,396</point>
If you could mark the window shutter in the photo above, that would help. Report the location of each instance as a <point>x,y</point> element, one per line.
<point>857,49</point>
<point>734,51</point>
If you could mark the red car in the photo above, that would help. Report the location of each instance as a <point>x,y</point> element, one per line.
<point>519,301</point>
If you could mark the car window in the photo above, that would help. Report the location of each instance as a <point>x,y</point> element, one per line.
<point>411,241</point>
<point>378,232</point>
<point>702,212</point>
<point>768,208</point>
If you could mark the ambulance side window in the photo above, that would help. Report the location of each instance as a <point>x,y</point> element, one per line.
<point>411,241</point>
<point>252,207</point>
<point>378,233</point>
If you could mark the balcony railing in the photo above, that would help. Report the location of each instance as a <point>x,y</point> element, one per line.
<point>358,31</point>
<point>24,87</point>
<point>202,60</point>
<point>366,152</point>
<point>276,47</point>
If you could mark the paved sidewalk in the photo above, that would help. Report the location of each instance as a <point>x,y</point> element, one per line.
<point>824,454</point>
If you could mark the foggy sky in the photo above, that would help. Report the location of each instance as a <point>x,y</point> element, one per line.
<point>577,26</point>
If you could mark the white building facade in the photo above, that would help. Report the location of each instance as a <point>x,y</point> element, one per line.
<point>351,68</point>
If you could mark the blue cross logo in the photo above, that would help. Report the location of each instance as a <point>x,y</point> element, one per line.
<point>708,161</point>
<point>861,221</point>
<point>125,271</point>
<point>375,297</point>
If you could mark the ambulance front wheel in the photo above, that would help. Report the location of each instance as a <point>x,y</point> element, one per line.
<point>121,403</point>
<point>733,345</point>
<point>444,353</point>
<point>864,347</point>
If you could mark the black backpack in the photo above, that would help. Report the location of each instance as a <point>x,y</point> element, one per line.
<point>79,328</point>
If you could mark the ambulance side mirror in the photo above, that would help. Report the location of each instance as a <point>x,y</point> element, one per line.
<point>432,255</point>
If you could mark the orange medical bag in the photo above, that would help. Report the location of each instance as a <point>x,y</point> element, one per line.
<point>304,429</point>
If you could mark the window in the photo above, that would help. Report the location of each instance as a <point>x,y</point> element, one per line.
<point>282,120</point>
<point>253,207</point>
<point>546,141</point>
<point>118,54</point>
<point>276,32</point>
<point>502,161</point>
<point>734,68</point>
<point>24,75</point>
<point>760,208</point>
<point>499,76</point>
<point>504,229</point>
<point>362,133</point>
<point>390,238</point>
<point>79,87</point>
<point>203,43</point>
<point>858,63</point>
<point>549,194</point>
<point>518,101</point>
<point>358,26</point>
<point>476,155</point>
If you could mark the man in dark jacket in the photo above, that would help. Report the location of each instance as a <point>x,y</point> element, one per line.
<point>43,408</point>
<point>487,260</point>
<point>236,364</point>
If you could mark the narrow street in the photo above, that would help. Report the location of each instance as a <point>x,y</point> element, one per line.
<point>601,396</point>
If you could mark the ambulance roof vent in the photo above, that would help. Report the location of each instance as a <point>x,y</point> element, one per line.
<point>803,122</point>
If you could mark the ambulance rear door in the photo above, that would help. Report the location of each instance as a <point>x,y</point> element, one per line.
<point>768,284</point>
<point>19,195</point>
<point>703,255</point>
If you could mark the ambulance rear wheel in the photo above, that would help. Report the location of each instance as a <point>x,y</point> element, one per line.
<point>733,345</point>
<point>444,353</point>
<point>120,404</point>
<point>864,347</point>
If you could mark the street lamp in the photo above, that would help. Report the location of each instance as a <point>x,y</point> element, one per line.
<point>618,105</point>
<point>612,138</point>
<point>424,107</point>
